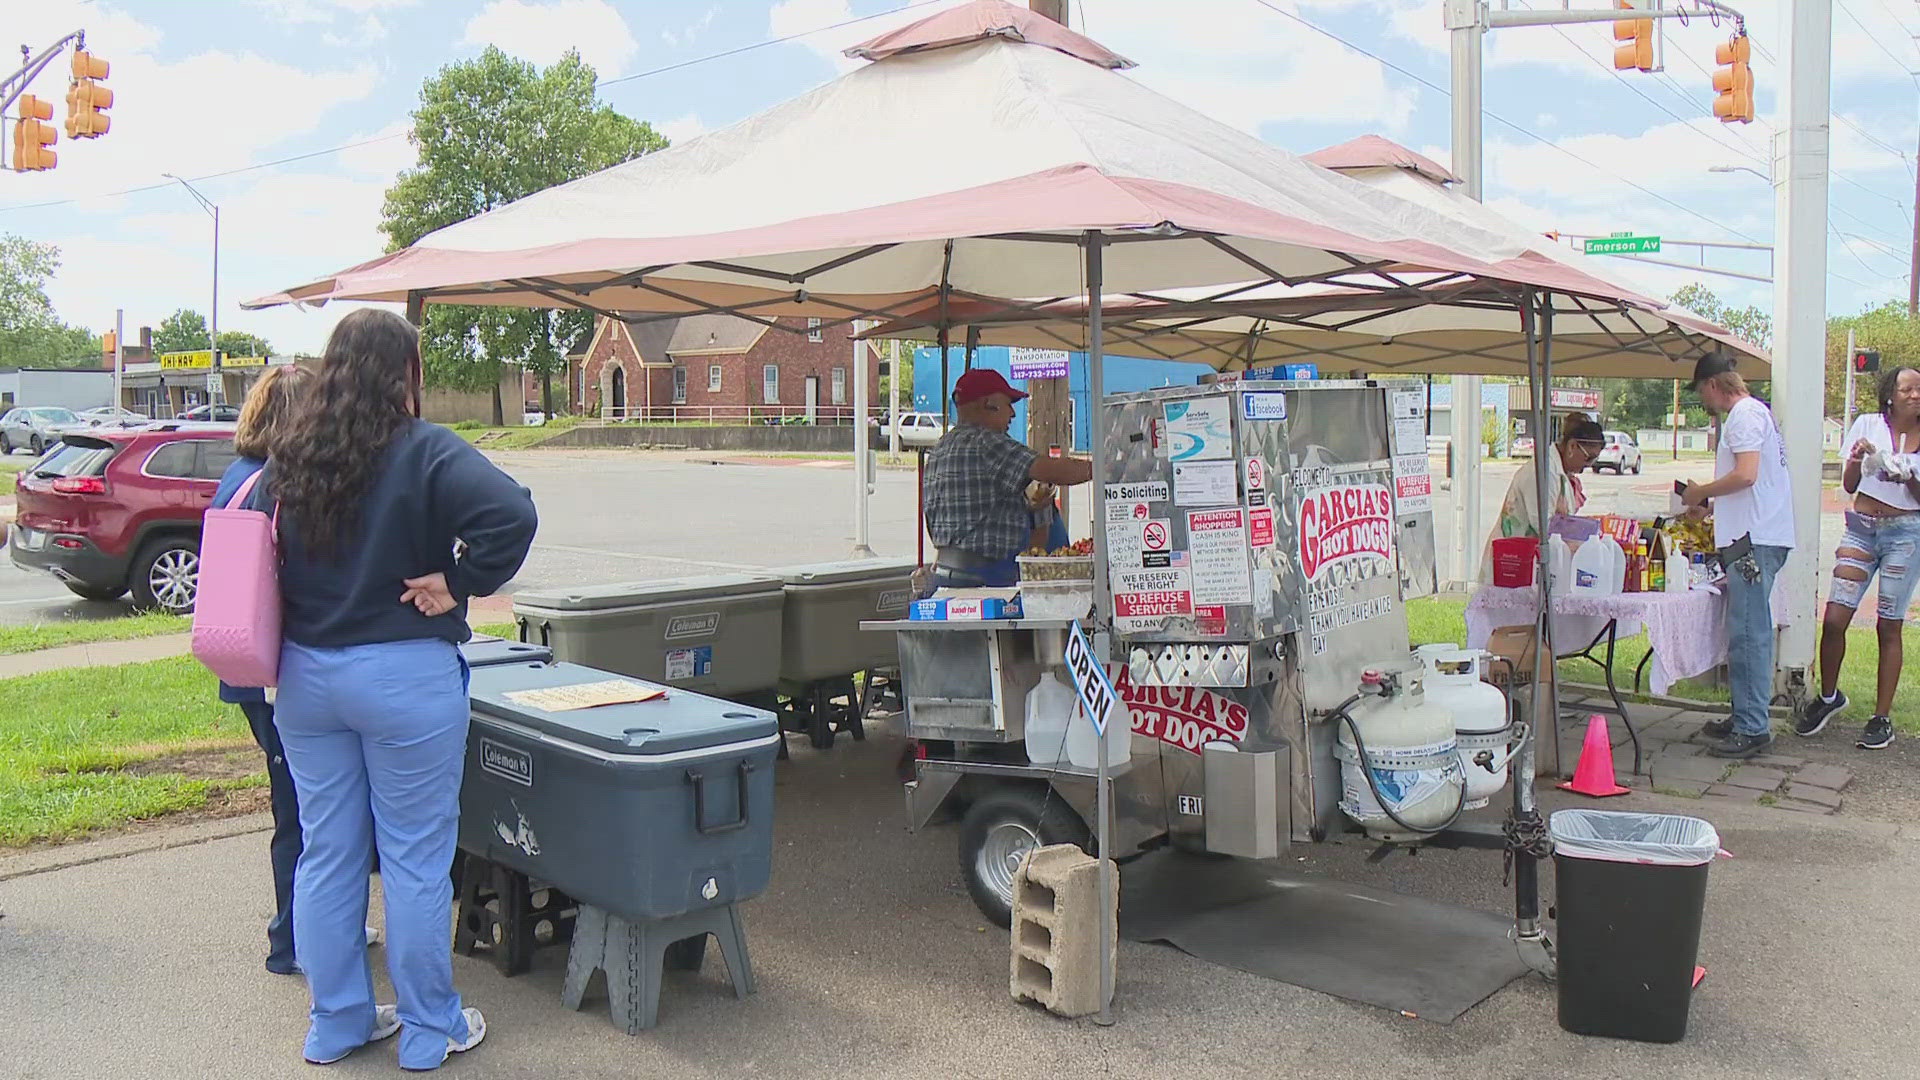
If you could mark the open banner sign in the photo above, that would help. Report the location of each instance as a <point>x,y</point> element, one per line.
<point>1097,695</point>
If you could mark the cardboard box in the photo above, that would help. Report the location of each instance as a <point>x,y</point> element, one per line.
<point>967,605</point>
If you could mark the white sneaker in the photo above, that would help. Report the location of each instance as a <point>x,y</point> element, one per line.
<point>386,1024</point>
<point>373,936</point>
<point>476,1032</point>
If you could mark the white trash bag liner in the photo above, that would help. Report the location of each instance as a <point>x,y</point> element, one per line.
<point>1618,836</point>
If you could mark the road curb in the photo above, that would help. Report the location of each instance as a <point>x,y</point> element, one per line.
<point>161,838</point>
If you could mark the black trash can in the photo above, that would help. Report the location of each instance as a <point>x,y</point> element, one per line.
<point>1630,891</point>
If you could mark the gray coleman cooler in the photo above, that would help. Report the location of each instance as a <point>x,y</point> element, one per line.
<point>482,650</point>
<point>719,635</point>
<point>646,810</point>
<point>825,605</point>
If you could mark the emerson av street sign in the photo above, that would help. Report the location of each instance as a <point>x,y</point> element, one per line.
<point>1622,244</point>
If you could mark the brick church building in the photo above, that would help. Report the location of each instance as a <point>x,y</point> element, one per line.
<point>719,368</point>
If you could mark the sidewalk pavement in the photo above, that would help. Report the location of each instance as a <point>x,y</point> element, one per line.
<point>483,611</point>
<point>872,962</point>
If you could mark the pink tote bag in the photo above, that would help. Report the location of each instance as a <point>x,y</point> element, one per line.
<point>236,617</point>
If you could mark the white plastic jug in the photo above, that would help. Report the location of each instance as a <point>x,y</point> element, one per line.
<point>1559,565</point>
<point>1591,567</point>
<point>1051,705</point>
<point>1083,746</point>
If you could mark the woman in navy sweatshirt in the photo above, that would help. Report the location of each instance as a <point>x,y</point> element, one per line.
<point>372,707</point>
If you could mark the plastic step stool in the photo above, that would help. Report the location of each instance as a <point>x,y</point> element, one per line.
<point>634,954</point>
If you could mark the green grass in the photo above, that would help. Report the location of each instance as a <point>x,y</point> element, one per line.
<point>69,741</point>
<point>500,630</point>
<point>20,639</point>
<point>11,464</point>
<point>515,438</point>
<point>1444,619</point>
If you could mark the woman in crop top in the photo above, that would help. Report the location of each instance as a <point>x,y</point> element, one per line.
<point>1883,536</point>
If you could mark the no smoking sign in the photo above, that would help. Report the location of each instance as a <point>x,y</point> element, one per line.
<point>1153,536</point>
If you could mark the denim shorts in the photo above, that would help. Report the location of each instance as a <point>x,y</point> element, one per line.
<point>1891,545</point>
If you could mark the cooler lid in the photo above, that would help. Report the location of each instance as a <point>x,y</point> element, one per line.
<point>633,593</point>
<point>840,573</point>
<point>681,721</point>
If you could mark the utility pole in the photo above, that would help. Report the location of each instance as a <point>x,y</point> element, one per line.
<point>1846,424</point>
<point>1050,399</point>
<point>1800,305</point>
<point>1466,24</point>
<point>862,446</point>
<point>893,402</point>
<point>119,357</point>
<point>216,383</point>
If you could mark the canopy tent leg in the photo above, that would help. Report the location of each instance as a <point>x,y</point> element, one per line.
<point>1525,829</point>
<point>1103,784</point>
<point>973,347</point>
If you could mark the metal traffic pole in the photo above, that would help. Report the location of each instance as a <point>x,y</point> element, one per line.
<point>1846,425</point>
<point>1103,782</point>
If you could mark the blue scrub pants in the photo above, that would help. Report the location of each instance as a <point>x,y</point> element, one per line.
<point>375,736</point>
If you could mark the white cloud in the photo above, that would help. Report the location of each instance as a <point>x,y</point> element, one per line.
<point>543,32</point>
<point>818,26</point>
<point>382,153</point>
<point>680,129</point>
<point>309,12</point>
<point>686,35</point>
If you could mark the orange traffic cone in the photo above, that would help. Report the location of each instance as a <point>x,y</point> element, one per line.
<point>1594,775</point>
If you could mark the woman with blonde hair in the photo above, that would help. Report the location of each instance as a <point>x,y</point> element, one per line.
<point>273,398</point>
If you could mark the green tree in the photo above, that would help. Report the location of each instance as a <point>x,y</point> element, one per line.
<point>1886,328</point>
<point>241,343</point>
<point>1750,323</point>
<point>31,334</point>
<point>182,331</point>
<point>489,131</point>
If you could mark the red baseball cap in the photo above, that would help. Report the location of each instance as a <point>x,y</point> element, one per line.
<point>979,383</point>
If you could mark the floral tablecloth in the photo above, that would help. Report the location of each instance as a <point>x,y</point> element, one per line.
<point>1688,631</point>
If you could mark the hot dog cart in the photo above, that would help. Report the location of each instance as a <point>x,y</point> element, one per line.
<point>1261,540</point>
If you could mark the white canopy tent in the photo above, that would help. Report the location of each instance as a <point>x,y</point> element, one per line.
<point>1047,176</point>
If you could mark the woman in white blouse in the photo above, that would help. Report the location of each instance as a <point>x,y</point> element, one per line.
<point>1883,536</point>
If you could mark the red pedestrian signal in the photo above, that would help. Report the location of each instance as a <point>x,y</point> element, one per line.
<point>1866,361</point>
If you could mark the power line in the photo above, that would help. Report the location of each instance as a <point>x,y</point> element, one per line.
<point>1435,87</point>
<point>1871,36</point>
<point>276,163</point>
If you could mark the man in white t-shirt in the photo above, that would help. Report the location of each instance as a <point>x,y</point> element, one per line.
<point>1752,501</point>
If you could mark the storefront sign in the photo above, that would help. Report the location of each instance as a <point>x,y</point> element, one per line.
<point>203,359</point>
<point>1037,364</point>
<point>1349,523</point>
<point>1184,716</point>
<point>1574,398</point>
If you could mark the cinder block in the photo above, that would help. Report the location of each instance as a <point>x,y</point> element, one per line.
<point>1056,930</point>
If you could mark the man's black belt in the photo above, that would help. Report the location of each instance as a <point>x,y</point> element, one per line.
<point>960,559</point>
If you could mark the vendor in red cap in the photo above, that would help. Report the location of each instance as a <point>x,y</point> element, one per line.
<point>977,476</point>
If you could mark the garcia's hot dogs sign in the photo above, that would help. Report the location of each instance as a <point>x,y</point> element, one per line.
<point>1184,716</point>
<point>1343,524</point>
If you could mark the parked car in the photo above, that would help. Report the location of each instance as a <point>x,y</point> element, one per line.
<point>110,414</point>
<point>918,429</point>
<point>34,428</point>
<point>1620,453</point>
<point>117,510</point>
<point>1522,446</point>
<point>221,413</point>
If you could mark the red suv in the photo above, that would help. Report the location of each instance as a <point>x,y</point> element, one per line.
<point>117,511</point>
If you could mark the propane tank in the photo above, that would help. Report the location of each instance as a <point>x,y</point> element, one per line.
<point>1481,726</point>
<point>1410,751</point>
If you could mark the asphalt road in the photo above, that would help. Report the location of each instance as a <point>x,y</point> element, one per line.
<point>608,516</point>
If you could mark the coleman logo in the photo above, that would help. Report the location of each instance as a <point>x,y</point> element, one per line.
<point>506,762</point>
<point>892,600</point>
<point>1341,524</point>
<point>681,627</point>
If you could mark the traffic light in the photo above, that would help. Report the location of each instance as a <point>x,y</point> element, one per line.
<point>1636,38</point>
<point>32,136</point>
<point>1733,81</point>
<point>1866,361</point>
<point>87,100</point>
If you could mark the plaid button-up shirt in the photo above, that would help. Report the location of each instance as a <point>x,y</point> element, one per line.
<point>976,492</point>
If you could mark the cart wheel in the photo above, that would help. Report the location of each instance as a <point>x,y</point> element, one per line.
<point>820,719</point>
<point>999,829</point>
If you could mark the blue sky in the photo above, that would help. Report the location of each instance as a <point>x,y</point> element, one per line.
<point>206,88</point>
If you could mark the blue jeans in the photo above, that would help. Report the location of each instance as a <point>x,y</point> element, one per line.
<point>1750,640</point>
<point>283,851</point>
<point>376,739</point>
